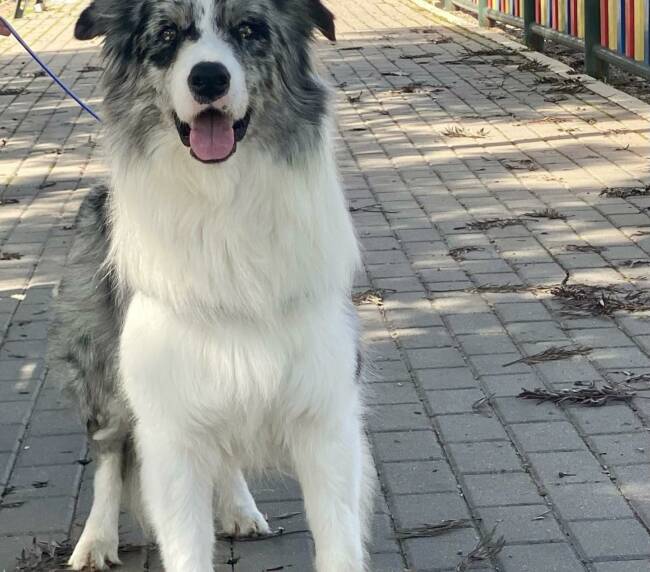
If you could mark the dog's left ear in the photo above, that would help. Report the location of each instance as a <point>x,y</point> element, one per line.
<point>324,19</point>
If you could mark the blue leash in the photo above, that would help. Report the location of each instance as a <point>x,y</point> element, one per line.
<point>47,70</point>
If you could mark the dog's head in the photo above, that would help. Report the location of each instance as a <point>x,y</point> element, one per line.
<point>212,70</point>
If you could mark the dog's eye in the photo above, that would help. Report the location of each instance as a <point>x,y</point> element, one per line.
<point>246,31</point>
<point>168,35</point>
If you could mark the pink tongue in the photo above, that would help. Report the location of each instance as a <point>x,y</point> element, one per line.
<point>212,137</point>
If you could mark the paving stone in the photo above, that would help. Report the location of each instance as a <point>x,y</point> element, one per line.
<point>485,457</point>
<point>556,557</point>
<point>406,446</point>
<point>418,510</point>
<point>515,410</point>
<point>622,448</point>
<point>470,427</point>
<point>33,516</point>
<point>391,393</point>
<point>606,538</point>
<point>632,480</point>
<point>501,489</point>
<point>446,378</point>
<point>630,566</point>
<point>454,400</point>
<point>419,477</point>
<point>533,523</point>
<point>397,417</point>
<point>589,501</point>
<point>619,418</point>
<point>435,357</point>
<point>561,468</point>
<point>443,551</point>
<point>557,436</point>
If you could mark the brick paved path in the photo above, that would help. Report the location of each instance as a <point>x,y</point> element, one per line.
<point>437,131</point>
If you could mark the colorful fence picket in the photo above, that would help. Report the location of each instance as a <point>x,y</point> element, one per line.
<point>624,28</point>
<point>625,24</point>
<point>566,16</point>
<point>611,32</point>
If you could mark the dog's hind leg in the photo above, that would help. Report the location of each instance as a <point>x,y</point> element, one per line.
<point>333,465</point>
<point>236,507</point>
<point>98,544</point>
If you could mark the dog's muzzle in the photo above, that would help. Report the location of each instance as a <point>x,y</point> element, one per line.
<point>212,136</point>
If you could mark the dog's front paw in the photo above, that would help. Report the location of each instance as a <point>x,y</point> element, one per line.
<point>245,521</point>
<point>94,553</point>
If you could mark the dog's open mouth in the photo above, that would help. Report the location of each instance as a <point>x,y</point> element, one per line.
<point>213,135</point>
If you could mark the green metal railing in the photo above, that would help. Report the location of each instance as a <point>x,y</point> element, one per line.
<point>585,30</point>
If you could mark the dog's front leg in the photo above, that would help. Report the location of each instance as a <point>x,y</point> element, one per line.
<point>333,466</point>
<point>177,492</point>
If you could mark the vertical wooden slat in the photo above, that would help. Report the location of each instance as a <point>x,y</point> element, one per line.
<point>612,19</point>
<point>621,27</point>
<point>581,18</point>
<point>604,24</point>
<point>639,30</point>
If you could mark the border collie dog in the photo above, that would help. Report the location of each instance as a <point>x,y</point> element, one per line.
<point>206,310</point>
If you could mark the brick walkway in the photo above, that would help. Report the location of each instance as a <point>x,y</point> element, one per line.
<point>437,131</point>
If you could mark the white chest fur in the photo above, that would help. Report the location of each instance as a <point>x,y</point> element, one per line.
<point>245,238</point>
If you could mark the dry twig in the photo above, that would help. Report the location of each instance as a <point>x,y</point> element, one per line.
<point>554,353</point>
<point>428,530</point>
<point>371,296</point>
<point>624,192</point>
<point>458,253</point>
<point>486,549</point>
<point>552,214</point>
<point>590,396</point>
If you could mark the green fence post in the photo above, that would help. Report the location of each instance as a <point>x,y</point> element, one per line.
<point>533,41</point>
<point>483,19</point>
<point>594,66</point>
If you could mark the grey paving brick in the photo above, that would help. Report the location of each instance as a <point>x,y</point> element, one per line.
<point>414,338</point>
<point>454,400</point>
<point>435,357</point>
<point>589,501</point>
<point>391,393</point>
<point>419,477</point>
<point>561,468</point>
<point>600,539</point>
<point>514,410</point>
<point>556,557</point>
<point>633,482</point>
<point>501,489</point>
<point>622,448</point>
<point>406,446</point>
<point>499,364</point>
<point>444,551</point>
<point>524,312</point>
<point>420,509</point>
<point>510,385</point>
<point>446,378</point>
<point>485,457</point>
<point>629,566</point>
<point>619,418</point>
<point>397,417</point>
<point>55,450</point>
<point>470,427</point>
<point>533,523</point>
<point>33,516</point>
<point>390,562</point>
<point>557,436</point>
<point>53,480</point>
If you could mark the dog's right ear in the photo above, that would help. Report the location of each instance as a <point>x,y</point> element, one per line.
<point>90,24</point>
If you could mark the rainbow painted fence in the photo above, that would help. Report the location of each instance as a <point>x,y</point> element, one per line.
<point>613,32</point>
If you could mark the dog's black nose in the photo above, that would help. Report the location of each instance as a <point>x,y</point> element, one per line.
<point>209,81</point>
